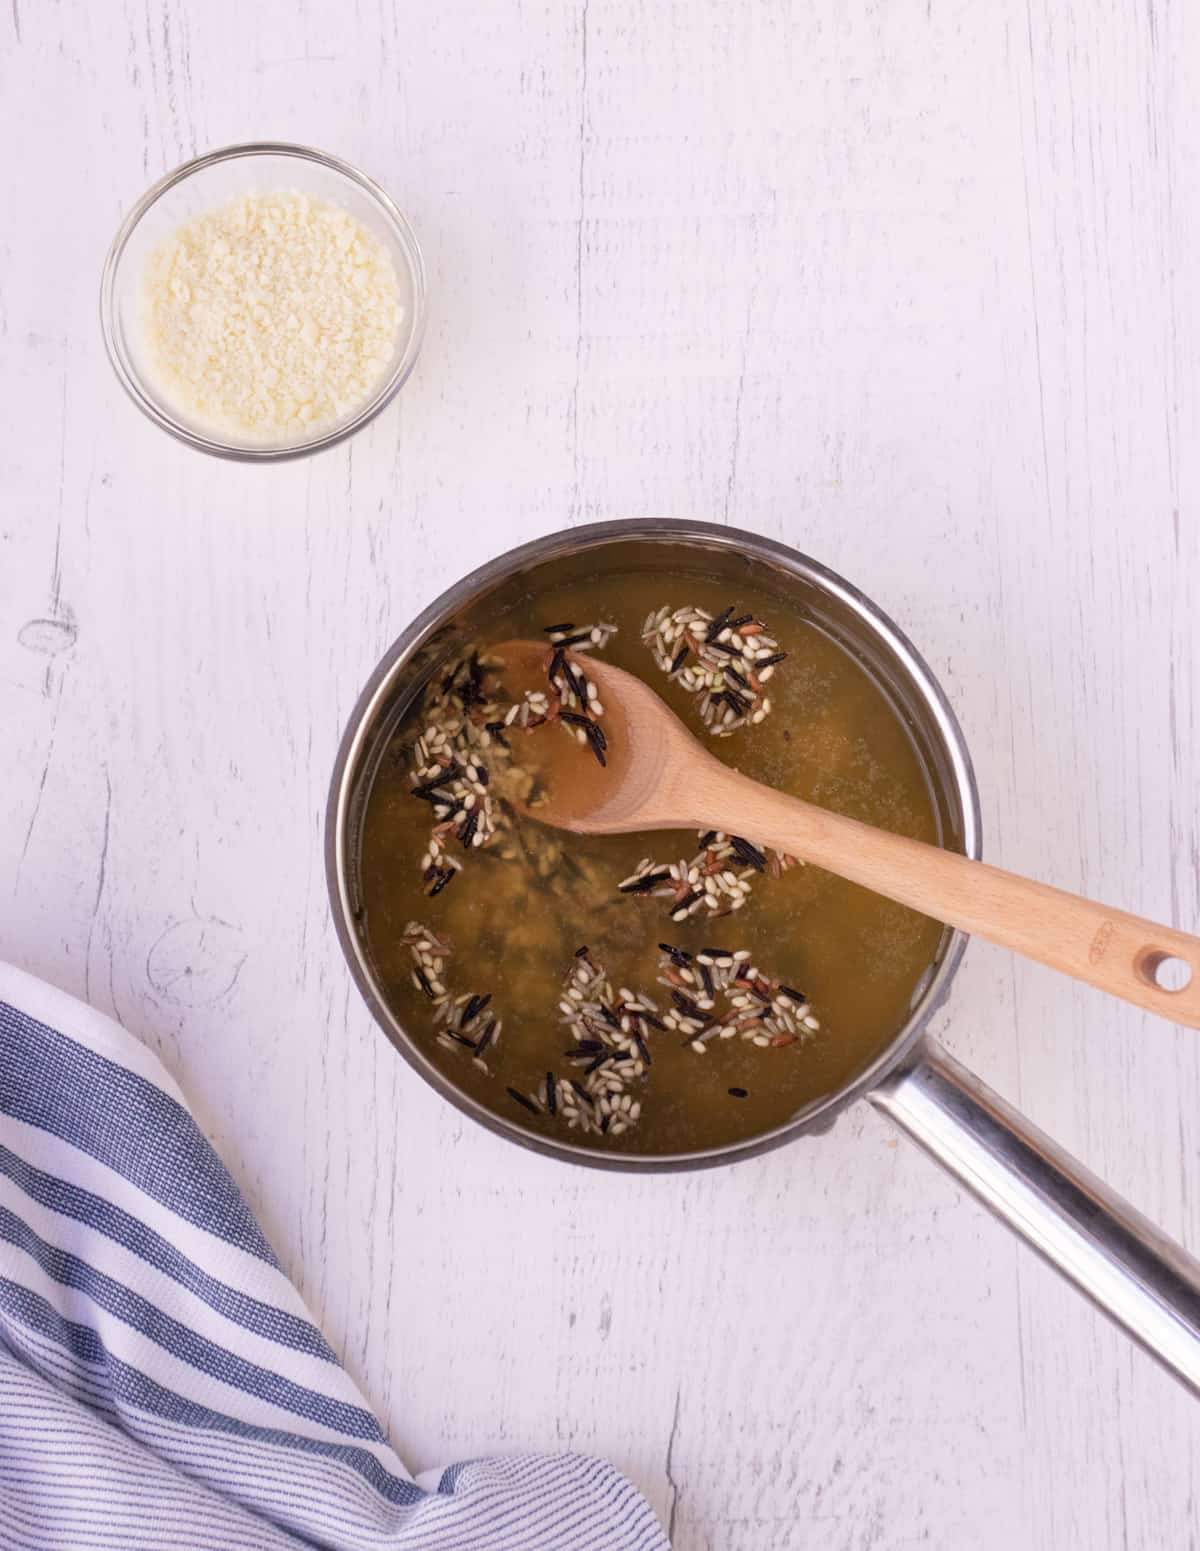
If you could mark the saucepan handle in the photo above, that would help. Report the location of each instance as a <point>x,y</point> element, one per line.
<point>1131,1270</point>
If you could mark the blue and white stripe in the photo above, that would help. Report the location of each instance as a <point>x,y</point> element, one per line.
<point>161,1383</point>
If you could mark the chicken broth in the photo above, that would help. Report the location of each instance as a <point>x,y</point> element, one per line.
<point>541,972</point>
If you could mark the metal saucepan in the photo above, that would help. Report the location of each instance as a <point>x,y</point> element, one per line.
<point>1131,1270</point>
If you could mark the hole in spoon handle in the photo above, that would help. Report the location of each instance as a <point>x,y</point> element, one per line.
<point>1164,970</point>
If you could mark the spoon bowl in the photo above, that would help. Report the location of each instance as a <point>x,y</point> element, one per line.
<point>649,762</point>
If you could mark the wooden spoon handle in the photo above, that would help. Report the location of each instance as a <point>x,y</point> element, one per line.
<point>1109,949</point>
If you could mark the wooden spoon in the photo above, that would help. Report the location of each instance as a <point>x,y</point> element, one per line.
<point>657,776</point>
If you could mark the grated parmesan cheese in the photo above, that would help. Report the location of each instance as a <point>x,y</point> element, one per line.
<point>272,317</point>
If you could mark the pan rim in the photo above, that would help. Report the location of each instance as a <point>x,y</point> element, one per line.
<point>815,1118</point>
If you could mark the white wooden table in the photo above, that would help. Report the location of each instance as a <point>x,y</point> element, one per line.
<point>911,286</point>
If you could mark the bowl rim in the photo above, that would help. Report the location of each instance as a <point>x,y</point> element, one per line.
<point>813,1118</point>
<point>132,381</point>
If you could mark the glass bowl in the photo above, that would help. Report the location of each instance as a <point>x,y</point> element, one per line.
<point>202,185</point>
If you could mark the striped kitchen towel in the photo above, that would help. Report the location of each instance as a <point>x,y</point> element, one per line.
<point>161,1383</point>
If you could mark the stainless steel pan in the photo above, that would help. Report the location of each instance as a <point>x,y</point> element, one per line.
<point>1142,1280</point>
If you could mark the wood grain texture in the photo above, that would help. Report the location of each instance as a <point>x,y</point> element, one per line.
<point>909,286</point>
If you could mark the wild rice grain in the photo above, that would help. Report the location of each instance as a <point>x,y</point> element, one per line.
<point>706,654</point>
